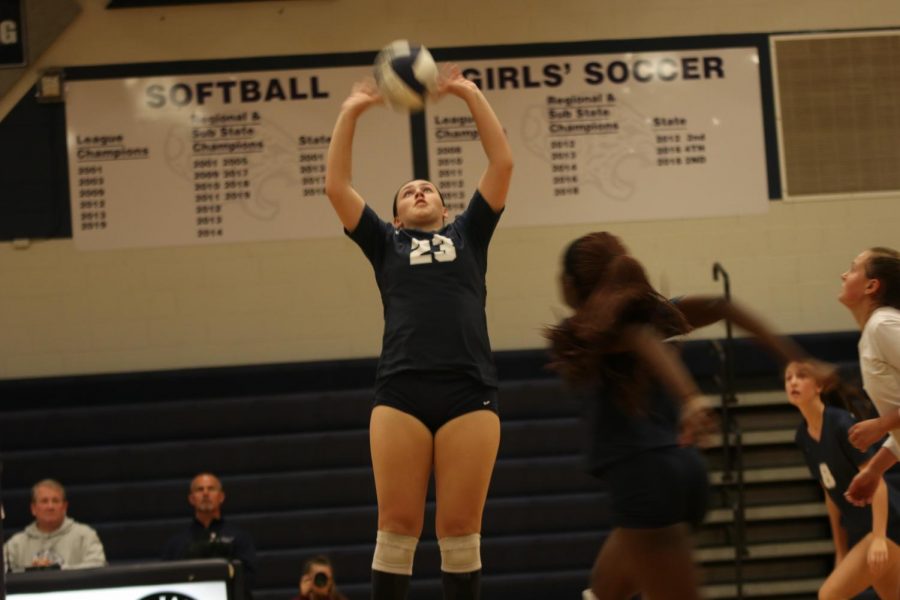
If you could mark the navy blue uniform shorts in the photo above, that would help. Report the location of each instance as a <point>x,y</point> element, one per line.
<point>658,488</point>
<point>436,397</point>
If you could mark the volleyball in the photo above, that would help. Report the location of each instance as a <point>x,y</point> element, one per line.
<point>406,74</point>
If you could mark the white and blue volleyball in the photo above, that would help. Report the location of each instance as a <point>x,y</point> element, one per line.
<point>406,74</point>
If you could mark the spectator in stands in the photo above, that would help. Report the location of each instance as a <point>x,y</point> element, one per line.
<point>646,412</point>
<point>870,289</point>
<point>209,535</point>
<point>53,540</point>
<point>317,580</point>
<point>865,538</point>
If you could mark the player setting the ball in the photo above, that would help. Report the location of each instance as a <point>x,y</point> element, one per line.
<point>435,407</point>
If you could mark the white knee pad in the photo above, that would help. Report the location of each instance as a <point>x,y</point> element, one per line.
<point>460,554</point>
<point>394,553</point>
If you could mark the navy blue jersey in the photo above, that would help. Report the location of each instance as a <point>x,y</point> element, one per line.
<point>616,434</point>
<point>834,462</point>
<point>433,292</point>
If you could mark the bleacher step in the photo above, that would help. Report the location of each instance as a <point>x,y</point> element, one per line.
<point>757,438</point>
<point>762,551</point>
<point>766,398</point>
<point>769,513</point>
<point>763,589</point>
<point>768,475</point>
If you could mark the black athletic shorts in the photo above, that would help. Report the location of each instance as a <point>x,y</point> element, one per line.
<point>435,397</point>
<point>658,488</point>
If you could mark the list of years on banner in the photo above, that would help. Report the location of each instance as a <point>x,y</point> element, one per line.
<point>675,143</point>
<point>450,132</point>
<point>614,137</point>
<point>596,116</point>
<point>203,159</point>
<point>312,152</point>
<point>218,180</point>
<point>92,153</point>
<point>220,166</point>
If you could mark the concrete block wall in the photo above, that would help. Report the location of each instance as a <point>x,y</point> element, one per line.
<point>68,312</point>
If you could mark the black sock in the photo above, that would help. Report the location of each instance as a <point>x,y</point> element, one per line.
<point>389,586</point>
<point>461,586</point>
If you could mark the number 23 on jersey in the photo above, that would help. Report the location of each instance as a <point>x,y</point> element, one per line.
<point>439,247</point>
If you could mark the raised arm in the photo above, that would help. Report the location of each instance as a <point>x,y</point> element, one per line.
<point>705,310</point>
<point>494,182</point>
<point>347,202</point>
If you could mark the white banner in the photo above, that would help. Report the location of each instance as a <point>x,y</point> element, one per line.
<point>614,137</point>
<point>205,590</point>
<point>199,159</point>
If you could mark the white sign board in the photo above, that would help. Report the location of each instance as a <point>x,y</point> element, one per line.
<point>198,159</point>
<point>614,137</point>
<point>204,590</point>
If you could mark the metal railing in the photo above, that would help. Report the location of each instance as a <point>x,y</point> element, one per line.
<point>732,441</point>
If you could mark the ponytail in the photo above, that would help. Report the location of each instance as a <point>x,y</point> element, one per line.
<point>884,265</point>
<point>613,293</point>
<point>851,399</point>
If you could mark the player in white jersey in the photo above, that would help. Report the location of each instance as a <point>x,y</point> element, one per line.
<point>871,291</point>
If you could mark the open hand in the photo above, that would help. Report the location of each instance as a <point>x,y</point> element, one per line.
<point>698,422</point>
<point>877,555</point>
<point>363,95</point>
<point>452,81</point>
